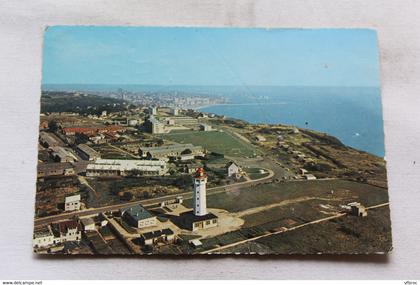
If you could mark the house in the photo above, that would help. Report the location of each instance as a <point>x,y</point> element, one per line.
<point>195,222</point>
<point>233,170</point>
<point>260,138</point>
<point>196,243</point>
<point>72,203</point>
<point>43,237</point>
<point>55,169</point>
<point>303,171</point>
<point>358,209</point>
<point>88,224</point>
<point>67,231</point>
<point>310,177</point>
<point>139,217</point>
<point>154,237</point>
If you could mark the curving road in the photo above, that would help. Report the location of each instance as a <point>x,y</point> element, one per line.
<point>147,202</point>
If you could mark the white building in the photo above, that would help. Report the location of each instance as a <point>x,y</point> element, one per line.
<point>358,209</point>
<point>43,238</point>
<point>88,224</point>
<point>260,138</point>
<point>310,177</point>
<point>68,231</point>
<point>233,170</point>
<point>133,122</point>
<point>123,167</point>
<point>199,193</point>
<point>205,127</point>
<point>72,203</point>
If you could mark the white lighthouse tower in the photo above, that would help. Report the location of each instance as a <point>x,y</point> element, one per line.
<point>199,192</point>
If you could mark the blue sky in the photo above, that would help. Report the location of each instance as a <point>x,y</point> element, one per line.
<point>210,56</point>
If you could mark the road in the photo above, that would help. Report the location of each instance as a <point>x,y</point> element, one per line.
<point>148,202</point>
<point>284,230</point>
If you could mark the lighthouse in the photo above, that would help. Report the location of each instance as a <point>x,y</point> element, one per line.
<point>199,192</point>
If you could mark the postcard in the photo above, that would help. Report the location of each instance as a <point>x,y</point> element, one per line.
<point>187,141</point>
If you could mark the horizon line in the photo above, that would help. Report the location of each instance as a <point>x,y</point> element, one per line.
<point>208,85</point>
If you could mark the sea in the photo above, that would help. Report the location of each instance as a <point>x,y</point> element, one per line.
<point>352,114</point>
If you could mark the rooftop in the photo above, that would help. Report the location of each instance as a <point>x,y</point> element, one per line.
<point>137,212</point>
<point>74,198</point>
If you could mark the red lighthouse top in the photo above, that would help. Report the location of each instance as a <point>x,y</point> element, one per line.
<point>200,173</point>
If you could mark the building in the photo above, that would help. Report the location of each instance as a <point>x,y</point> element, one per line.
<point>133,122</point>
<point>126,167</point>
<point>183,120</point>
<point>233,170</point>
<point>154,126</point>
<point>310,177</point>
<point>167,151</point>
<point>62,154</point>
<point>139,217</point>
<point>67,231</point>
<point>174,111</point>
<point>43,237</point>
<point>72,203</point>
<point>195,243</point>
<point>260,138</point>
<point>205,127</point>
<point>303,171</point>
<point>153,111</point>
<point>161,236</point>
<point>90,131</point>
<point>88,224</point>
<point>87,153</point>
<point>358,209</point>
<point>199,218</point>
<point>55,169</point>
<point>199,193</point>
<point>49,140</point>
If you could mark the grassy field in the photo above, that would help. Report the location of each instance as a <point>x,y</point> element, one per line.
<point>348,234</point>
<point>245,198</point>
<point>220,142</point>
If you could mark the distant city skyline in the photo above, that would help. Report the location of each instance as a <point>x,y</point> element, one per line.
<point>210,56</point>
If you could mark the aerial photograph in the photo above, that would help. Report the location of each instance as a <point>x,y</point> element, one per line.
<point>189,141</point>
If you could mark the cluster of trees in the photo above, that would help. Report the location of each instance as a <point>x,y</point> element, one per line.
<point>82,104</point>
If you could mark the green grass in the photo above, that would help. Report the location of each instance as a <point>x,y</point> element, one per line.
<point>220,142</point>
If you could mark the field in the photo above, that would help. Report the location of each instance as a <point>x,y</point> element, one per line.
<point>242,199</point>
<point>215,141</point>
<point>371,234</point>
